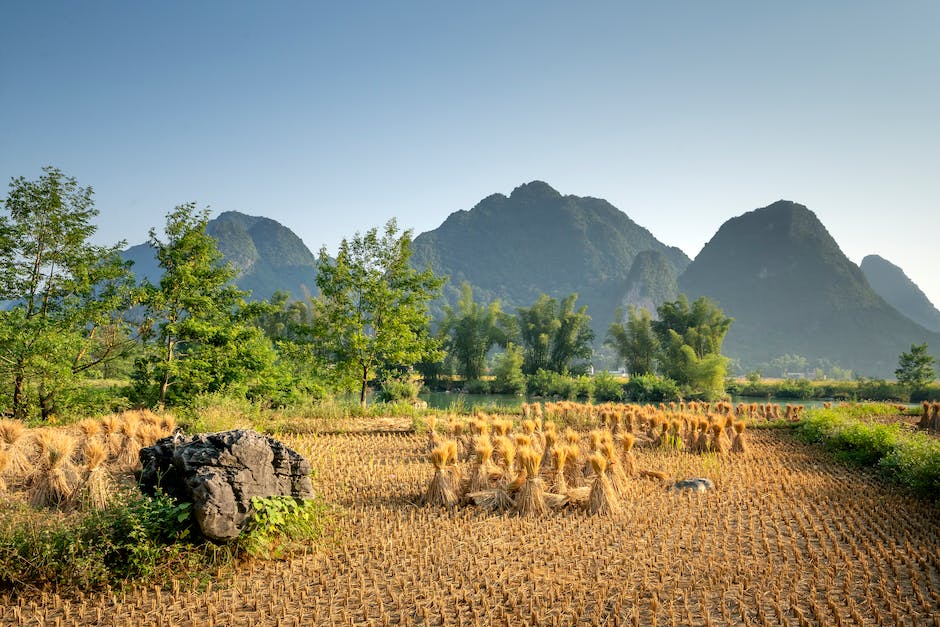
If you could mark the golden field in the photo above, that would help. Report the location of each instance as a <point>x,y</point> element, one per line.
<point>788,537</point>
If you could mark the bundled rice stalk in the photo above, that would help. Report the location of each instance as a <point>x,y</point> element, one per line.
<point>602,499</point>
<point>56,477</point>
<point>627,440</point>
<point>96,487</point>
<point>484,470</point>
<point>89,428</point>
<point>4,463</point>
<point>128,456</point>
<point>442,491</point>
<point>574,475</point>
<point>739,445</point>
<point>718,444</point>
<point>935,412</point>
<point>618,479</point>
<point>559,457</point>
<point>505,454</point>
<point>111,431</point>
<point>502,427</point>
<point>530,499</point>
<point>547,453</point>
<point>926,418</point>
<point>15,445</point>
<point>701,444</point>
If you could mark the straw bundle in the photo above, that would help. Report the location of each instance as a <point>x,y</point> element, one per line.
<point>95,489</point>
<point>443,490</point>
<point>602,499</point>
<point>56,476</point>
<point>484,471</point>
<point>15,445</point>
<point>739,445</point>
<point>530,499</point>
<point>627,440</point>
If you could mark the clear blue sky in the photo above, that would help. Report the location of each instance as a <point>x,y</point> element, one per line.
<point>331,118</point>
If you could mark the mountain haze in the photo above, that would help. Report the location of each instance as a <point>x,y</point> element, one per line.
<point>537,241</point>
<point>779,273</point>
<point>890,282</point>
<point>266,255</point>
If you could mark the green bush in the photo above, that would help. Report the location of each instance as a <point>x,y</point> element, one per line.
<point>880,390</point>
<point>801,389</point>
<point>281,523</point>
<point>607,388</point>
<point>508,372</point>
<point>395,390</point>
<point>650,388</point>
<point>478,386</point>
<point>910,459</point>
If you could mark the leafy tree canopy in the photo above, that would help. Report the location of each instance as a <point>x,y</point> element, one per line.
<point>554,334</point>
<point>915,367</point>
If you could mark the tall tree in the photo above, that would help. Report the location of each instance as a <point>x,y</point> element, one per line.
<point>374,305</point>
<point>203,342</point>
<point>635,342</point>
<point>915,368</point>
<point>67,294</point>
<point>554,334</point>
<point>690,337</point>
<point>470,331</point>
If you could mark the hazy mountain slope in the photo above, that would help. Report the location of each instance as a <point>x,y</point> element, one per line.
<point>892,284</point>
<point>538,241</point>
<point>790,289</point>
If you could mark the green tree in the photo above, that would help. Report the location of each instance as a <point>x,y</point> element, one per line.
<point>470,331</point>
<point>507,369</point>
<point>915,368</point>
<point>374,305</point>
<point>203,341</point>
<point>635,342</point>
<point>68,296</point>
<point>690,337</point>
<point>554,334</point>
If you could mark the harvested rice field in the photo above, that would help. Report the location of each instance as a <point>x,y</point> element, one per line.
<point>787,537</point>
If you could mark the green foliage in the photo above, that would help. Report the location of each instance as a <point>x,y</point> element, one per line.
<point>202,341</point>
<point>908,459</point>
<point>795,388</point>
<point>651,388</point>
<point>135,537</point>
<point>374,305</point>
<point>470,331</point>
<point>554,334</point>
<point>68,296</point>
<point>281,523</point>
<point>547,383</point>
<point>396,389</point>
<point>507,369</point>
<point>915,368</point>
<point>880,390</point>
<point>635,342</point>
<point>607,388</point>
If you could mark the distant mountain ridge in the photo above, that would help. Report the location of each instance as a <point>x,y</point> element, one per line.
<point>779,273</point>
<point>536,241</point>
<point>893,285</point>
<point>266,255</point>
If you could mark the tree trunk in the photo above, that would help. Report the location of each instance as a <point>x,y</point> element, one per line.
<point>46,404</point>
<point>19,397</point>
<point>166,374</point>
<point>365,384</point>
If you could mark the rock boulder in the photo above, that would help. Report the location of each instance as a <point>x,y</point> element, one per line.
<point>219,473</point>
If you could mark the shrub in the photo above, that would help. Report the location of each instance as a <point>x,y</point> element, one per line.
<point>396,390</point>
<point>880,390</point>
<point>908,459</point>
<point>651,388</point>
<point>607,388</point>
<point>281,523</point>
<point>508,372</point>
<point>795,388</point>
<point>478,386</point>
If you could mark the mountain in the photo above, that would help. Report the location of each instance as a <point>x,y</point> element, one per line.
<point>266,255</point>
<point>890,282</point>
<point>651,282</point>
<point>538,241</point>
<point>779,273</point>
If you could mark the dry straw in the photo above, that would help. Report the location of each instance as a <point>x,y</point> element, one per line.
<point>602,499</point>
<point>56,476</point>
<point>12,434</point>
<point>96,487</point>
<point>530,499</point>
<point>484,471</point>
<point>739,445</point>
<point>443,488</point>
<point>627,440</point>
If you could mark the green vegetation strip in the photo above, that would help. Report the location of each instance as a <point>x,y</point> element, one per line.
<point>907,458</point>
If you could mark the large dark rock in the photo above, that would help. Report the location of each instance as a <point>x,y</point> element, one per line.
<point>219,473</point>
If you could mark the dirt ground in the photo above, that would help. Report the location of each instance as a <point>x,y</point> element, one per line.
<point>788,537</point>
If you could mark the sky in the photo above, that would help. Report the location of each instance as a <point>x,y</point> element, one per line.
<point>334,117</point>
